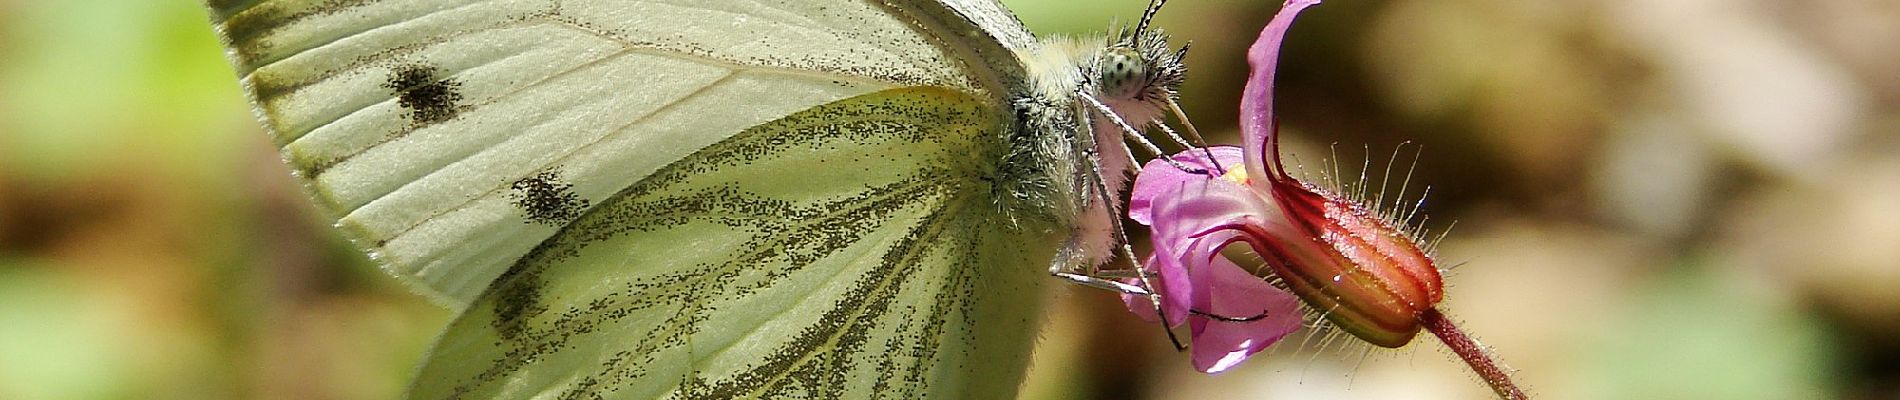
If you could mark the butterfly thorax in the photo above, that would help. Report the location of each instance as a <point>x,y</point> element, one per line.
<point>1132,73</point>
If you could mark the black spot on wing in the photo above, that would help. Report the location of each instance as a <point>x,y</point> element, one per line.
<point>429,99</point>
<point>546,198</point>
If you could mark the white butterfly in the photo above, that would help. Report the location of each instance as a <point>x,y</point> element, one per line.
<point>708,199</point>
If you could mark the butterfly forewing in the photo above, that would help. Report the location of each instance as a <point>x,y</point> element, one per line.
<point>449,137</point>
<point>679,199</point>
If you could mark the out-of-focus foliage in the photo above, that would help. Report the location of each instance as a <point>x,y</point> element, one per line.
<point>1676,199</point>
<point>151,246</point>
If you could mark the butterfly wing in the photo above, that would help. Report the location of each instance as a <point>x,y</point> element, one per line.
<point>680,198</point>
<point>449,137</point>
<point>853,250</point>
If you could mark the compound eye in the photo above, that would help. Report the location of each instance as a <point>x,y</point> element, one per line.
<point>1122,73</point>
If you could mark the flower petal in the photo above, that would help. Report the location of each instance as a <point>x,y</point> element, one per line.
<point>1139,305</point>
<point>1196,207</point>
<point>1233,292</point>
<point>1192,222</point>
<point>1174,298</point>
<point>1193,209</point>
<point>1259,130</point>
<point>1158,177</point>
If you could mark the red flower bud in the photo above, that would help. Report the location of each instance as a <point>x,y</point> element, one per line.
<point>1367,277</point>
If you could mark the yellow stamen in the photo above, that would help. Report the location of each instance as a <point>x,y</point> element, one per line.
<point>1237,175</point>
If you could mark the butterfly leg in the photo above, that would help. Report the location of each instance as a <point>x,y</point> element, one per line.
<point>1099,283</point>
<point>1142,275</point>
<point>1126,252</point>
<point>1134,135</point>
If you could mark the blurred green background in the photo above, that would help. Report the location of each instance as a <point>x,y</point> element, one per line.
<point>1684,199</point>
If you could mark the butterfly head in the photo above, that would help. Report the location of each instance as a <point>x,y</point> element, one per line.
<point>1138,69</point>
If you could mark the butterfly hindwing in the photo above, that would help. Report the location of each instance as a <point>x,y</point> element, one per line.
<point>845,251</point>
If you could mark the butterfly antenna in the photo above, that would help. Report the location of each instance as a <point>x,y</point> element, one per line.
<point>1148,16</point>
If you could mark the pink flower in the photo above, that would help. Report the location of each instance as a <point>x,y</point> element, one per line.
<point>1195,281</point>
<point>1342,259</point>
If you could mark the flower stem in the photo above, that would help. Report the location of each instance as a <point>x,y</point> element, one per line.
<point>1474,354</point>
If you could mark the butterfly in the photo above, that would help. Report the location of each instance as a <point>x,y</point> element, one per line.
<point>710,199</point>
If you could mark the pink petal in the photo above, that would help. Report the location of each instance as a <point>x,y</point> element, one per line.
<point>1183,216</point>
<point>1195,207</point>
<point>1258,130</point>
<point>1158,177</point>
<point>1220,345</point>
<point>1177,288</point>
<point>1192,222</point>
<point>1174,298</point>
<point>1139,305</point>
<point>1194,215</point>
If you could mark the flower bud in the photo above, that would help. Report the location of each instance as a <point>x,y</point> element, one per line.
<point>1350,264</point>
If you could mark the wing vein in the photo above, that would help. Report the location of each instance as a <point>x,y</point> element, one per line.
<point>260,63</point>
<point>834,274</point>
<point>471,108</point>
<point>934,226</point>
<point>713,61</point>
<point>577,150</point>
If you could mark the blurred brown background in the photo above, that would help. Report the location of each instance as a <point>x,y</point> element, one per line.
<point>1682,199</point>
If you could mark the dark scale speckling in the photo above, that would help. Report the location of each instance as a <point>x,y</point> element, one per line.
<point>430,100</point>
<point>249,25</point>
<point>791,235</point>
<point>544,198</point>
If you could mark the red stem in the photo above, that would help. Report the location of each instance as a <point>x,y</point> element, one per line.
<point>1480,360</point>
